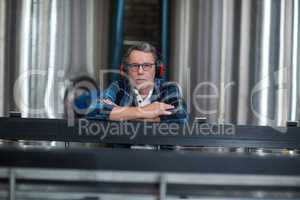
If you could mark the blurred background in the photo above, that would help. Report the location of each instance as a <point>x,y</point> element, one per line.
<point>237,61</point>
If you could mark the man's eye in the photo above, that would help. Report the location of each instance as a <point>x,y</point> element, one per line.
<point>135,65</point>
<point>148,65</point>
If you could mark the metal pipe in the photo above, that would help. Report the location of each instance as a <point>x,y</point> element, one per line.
<point>12,185</point>
<point>165,36</point>
<point>294,67</point>
<point>117,37</point>
<point>2,55</point>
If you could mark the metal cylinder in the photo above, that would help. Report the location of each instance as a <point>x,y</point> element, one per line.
<point>50,41</point>
<point>237,60</point>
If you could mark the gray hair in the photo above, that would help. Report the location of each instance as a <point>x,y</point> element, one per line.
<point>142,46</point>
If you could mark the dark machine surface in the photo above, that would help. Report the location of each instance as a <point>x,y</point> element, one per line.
<point>193,134</point>
<point>147,161</point>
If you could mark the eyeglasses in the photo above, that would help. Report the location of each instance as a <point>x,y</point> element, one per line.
<point>135,66</point>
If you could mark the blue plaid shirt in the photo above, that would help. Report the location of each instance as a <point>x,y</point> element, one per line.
<point>121,94</point>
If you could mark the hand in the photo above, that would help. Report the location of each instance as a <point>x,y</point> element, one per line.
<point>155,110</point>
<point>106,101</point>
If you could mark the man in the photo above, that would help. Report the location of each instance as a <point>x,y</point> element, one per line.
<point>140,94</point>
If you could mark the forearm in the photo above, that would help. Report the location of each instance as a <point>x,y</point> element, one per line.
<point>150,112</point>
<point>157,119</point>
<point>125,113</point>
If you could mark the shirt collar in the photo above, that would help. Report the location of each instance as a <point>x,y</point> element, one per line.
<point>136,92</point>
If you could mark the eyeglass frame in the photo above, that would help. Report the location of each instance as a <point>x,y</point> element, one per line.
<point>137,66</point>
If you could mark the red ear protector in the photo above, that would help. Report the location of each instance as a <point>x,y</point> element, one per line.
<point>159,69</point>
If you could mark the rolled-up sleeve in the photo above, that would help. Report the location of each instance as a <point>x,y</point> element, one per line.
<point>94,105</point>
<point>171,94</point>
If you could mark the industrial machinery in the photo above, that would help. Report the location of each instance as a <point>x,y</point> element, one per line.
<point>48,159</point>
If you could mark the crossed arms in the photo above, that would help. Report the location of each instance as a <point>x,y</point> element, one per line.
<point>151,112</point>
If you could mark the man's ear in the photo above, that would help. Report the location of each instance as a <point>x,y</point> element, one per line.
<point>122,70</point>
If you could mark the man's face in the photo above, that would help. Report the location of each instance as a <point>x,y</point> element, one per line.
<point>139,77</point>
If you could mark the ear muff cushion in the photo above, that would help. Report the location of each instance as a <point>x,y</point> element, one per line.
<point>160,70</point>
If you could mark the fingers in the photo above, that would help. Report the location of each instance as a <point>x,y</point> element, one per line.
<point>106,101</point>
<point>166,113</point>
<point>168,106</point>
<point>164,106</point>
<point>163,109</point>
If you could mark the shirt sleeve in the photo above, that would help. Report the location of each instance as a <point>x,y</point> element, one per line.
<point>171,94</point>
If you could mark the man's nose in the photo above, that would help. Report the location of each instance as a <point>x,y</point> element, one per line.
<point>140,70</point>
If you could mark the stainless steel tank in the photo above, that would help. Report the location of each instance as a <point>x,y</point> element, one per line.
<point>237,60</point>
<point>45,42</point>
